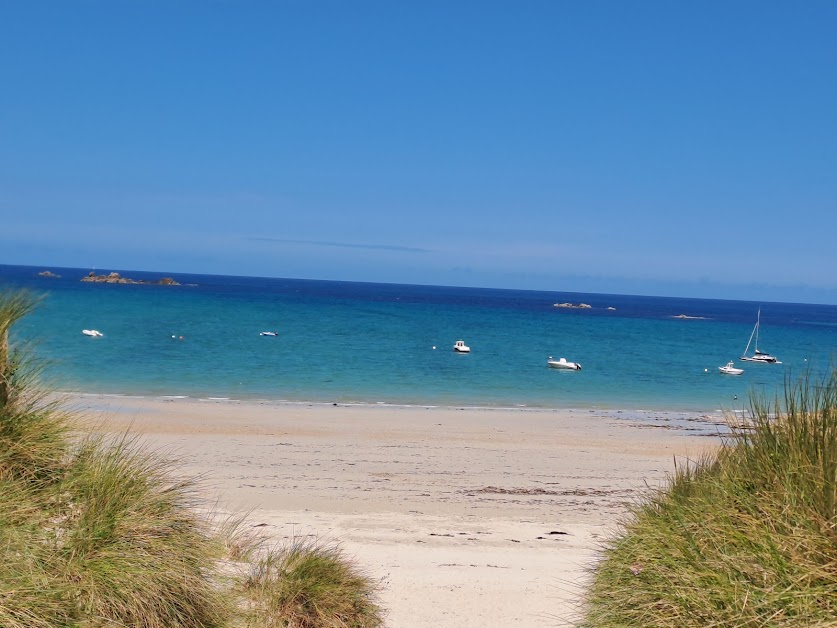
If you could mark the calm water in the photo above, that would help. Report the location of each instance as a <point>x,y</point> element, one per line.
<point>371,343</point>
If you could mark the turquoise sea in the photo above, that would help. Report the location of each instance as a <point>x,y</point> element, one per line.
<point>347,342</point>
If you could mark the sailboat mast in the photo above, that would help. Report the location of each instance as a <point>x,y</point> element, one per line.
<point>747,348</point>
<point>758,324</point>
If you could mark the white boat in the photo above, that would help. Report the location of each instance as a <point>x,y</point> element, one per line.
<point>268,333</point>
<point>758,356</point>
<point>92,332</point>
<point>730,369</point>
<point>460,347</point>
<point>563,364</point>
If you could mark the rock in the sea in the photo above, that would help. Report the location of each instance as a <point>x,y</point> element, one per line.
<point>580,306</point>
<point>117,278</point>
<point>48,273</point>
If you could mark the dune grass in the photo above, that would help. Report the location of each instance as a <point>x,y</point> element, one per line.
<point>98,531</point>
<point>745,537</point>
<point>309,584</point>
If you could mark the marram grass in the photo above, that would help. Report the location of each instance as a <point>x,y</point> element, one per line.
<point>745,537</point>
<point>309,584</point>
<point>99,532</point>
<point>135,533</point>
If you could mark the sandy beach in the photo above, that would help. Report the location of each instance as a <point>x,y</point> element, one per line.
<point>468,517</point>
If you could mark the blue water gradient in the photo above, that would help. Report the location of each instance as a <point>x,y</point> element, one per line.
<point>373,343</point>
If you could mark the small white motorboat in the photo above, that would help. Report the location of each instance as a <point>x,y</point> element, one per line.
<point>460,347</point>
<point>730,369</point>
<point>563,364</point>
<point>269,333</point>
<point>92,332</point>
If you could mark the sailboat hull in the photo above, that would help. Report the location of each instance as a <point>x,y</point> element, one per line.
<point>767,359</point>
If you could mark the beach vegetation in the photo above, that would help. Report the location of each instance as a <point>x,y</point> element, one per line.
<point>744,536</point>
<point>307,583</point>
<point>97,530</point>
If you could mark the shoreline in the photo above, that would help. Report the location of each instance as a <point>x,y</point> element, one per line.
<point>677,416</point>
<point>494,514</point>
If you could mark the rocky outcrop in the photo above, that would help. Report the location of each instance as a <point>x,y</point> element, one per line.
<point>48,273</point>
<point>117,278</point>
<point>580,306</point>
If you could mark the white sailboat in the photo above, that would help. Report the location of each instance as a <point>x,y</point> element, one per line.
<point>758,356</point>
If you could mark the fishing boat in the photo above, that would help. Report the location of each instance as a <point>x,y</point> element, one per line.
<point>460,347</point>
<point>92,333</point>
<point>562,363</point>
<point>758,356</point>
<point>268,333</point>
<point>730,369</point>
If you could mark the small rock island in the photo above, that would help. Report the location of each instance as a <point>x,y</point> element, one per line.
<point>117,278</point>
<point>49,273</point>
<point>580,306</point>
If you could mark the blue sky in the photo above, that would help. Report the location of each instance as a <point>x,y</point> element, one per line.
<point>685,149</point>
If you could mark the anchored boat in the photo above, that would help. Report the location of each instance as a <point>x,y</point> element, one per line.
<point>563,364</point>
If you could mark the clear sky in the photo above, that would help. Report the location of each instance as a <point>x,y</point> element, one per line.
<point>674,148</point>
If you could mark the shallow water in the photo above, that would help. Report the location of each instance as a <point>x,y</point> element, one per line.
<point>374,343</point>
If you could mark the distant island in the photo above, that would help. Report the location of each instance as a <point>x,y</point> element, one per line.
<point>49,273</point>
<point>580,306</point>
<point>116,278</point>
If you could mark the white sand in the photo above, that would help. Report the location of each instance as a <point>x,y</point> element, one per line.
<point>468,517</point>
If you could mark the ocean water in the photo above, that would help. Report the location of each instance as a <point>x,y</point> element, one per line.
<point>347,342</point>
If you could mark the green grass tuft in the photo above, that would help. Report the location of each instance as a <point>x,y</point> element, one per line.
<point>746,537</point>
<point>134,547</point>
<point>308,584</point>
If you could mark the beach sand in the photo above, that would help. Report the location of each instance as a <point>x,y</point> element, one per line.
<point>467,517</point>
